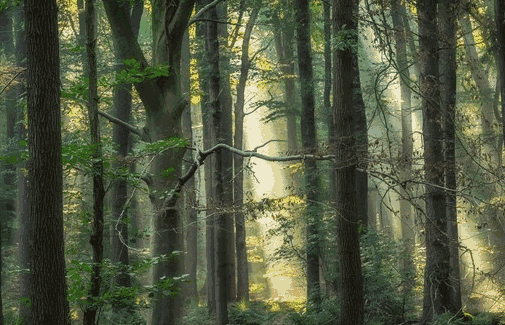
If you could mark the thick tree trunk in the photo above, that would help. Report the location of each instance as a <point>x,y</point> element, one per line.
<point>447,69</point>
<point>351,279</point>
<point>242,264</point>
<point>164,105</point>
<point>309,145</point>
<point>406,216</point>
<point>49,294</point>
<point>436,279</point>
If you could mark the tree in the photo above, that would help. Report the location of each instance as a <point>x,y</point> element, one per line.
<point>351,279</point>
<point>121,136</point>
<point>96,238</point>
<point>164,104</point>
<point>309,145</point>
<point>436,276</point>
<point>48,291</point>
<point>407,220</point>
<point>447,16</point>
<point>500,24</point>
<point>238,143</point>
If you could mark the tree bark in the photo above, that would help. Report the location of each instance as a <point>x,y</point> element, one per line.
<point>308,130</point>
<point>48,292</point>
<point>351,279</point>
<point>447,69</point>
<point>164,105</point>
<point>96,239</point>
<point>121,136</point>
<point>500,25</point>
<point>190,193</point>
<point>242,263</point>
<point>214,115</point>
<point>407,220</point>
<point>436,277</point>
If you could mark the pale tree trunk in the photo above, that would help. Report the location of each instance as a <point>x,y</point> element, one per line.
<point>447,68</point>
<point>48,288</point>
<point>351,279</point>
<point>302,14</point>
<point>284,33</point>
<point>164,105</point>
<point>436,275</point>
<point>242,264</point>
<point>96,239</point>
<point>481,77</point>
<point>214,116</point>
<point>406,216</point>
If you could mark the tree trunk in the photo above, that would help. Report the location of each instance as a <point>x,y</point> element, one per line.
<point>164,105</point>
<point>310,146</point>
<point>49,294</point>
<point>447,69</point>
<point>190,193</point>
<point>214,115</point>
<point>406,216</point>
<point>351,279</point>
<point>436,277</point>
<point>121,136</point>
<point>500,24</point>
<point>227,157</point>
<point>96,239</point>
<point>242,264</point>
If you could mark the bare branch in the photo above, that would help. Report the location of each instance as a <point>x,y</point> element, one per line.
<point>202,11</point>
<point>123,124</point>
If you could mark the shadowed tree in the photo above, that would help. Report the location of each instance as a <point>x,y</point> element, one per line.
<point>45,200</point>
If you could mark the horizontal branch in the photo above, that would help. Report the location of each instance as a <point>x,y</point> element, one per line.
<point>202,11</point>
<point>123,124</point>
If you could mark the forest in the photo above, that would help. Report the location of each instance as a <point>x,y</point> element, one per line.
<point>261,162</point>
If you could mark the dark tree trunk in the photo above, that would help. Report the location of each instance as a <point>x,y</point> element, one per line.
<point>226,156</point>
<point>500,26</point>
<point>436,279</point>
<point>351,279</point>
<point>96,239</point>
<point>49,293</point>
<point>190,192</point>
<point>214,115</point>
<point>447,69</point>
<point>120,211</point>
<point>309,145</point>
<point>407,220</point>
<point>242,264</point>
<point>164,104</point>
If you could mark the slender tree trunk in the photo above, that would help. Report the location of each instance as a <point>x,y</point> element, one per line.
<point>215,114</point>
<point>500,24</point>
<point>22,208</point>
<point>351,279</point>
<point>436,277</point>
<point>190,193</point>
<point>227,157</point>
<point>407,219</point>
<point>310,146</point>
<point>48,291</point>
<point>96,240</point>
<point>242,264</point>
<point>447,69</point>
<point>121,136</point>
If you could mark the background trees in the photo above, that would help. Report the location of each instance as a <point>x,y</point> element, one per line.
<point>328,192</point>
